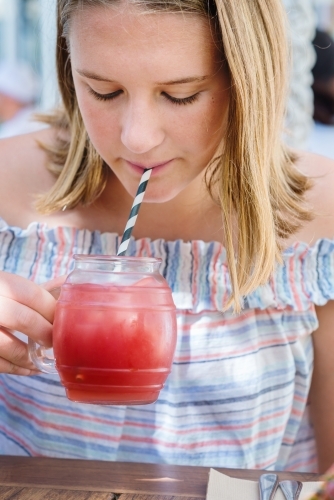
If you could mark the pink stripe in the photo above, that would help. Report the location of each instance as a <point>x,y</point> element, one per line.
<point>55,411</point>
<point>195,272</point>
<point>18,439</point>
<point>39,252</point>
<point>70,252</point>
<point>62,428</point>
<point>245,317</point>
<point>204,444</point>
<point>297,413</point>
<point>247,350</point>
<point>300,398</point>
<point>310,465</point>
<point>216,428</point>
<point>302,258</point>
<point>292,282</point>
<point>61,246</point>
<point>268,463</point>
<point>215,280</point>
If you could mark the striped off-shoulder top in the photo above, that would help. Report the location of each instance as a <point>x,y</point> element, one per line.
<point>237,394</point>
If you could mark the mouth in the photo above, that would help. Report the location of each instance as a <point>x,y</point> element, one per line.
<point>156,167</point>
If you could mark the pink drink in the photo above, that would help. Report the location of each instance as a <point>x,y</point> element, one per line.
<point>115,344</point>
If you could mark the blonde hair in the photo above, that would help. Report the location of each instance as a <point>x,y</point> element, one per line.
<point>258,186</point>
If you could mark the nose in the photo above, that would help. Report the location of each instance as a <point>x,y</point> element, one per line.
<point>142,129</point>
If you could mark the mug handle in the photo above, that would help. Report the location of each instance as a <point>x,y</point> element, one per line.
<point>40,358</point>
<point>38,354</point>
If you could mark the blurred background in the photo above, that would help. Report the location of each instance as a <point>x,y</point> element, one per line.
<point>28,33</point>
<point>321,136</point>
<point>27,63</point>
<point>28,75</point>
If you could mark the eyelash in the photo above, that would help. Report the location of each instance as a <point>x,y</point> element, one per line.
<point>174,100</point>
<point>104,97</point>
<point>184,100</point>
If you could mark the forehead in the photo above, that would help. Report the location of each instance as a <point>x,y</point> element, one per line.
<point>129,30</point>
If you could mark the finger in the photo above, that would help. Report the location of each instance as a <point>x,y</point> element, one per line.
<point>8,367</point>
<point>16,316</point>
<point>54,286</point>
<point>28,294</point>
<point>55,283</point>
<point>14,350</point>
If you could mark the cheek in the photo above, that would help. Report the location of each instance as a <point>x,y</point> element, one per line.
<point>101,127</point>
<point>216,120</point>
<point>203,130</point>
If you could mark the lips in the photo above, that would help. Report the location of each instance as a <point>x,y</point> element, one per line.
<point>156,167</point>
<point>145,167</point>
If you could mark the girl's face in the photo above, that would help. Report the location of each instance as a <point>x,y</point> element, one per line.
<point>151,93</point>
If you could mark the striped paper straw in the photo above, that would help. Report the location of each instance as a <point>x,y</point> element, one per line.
<point>134,212</point>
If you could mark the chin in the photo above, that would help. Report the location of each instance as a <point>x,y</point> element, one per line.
<point>160,197</point>
<point>154,195</point>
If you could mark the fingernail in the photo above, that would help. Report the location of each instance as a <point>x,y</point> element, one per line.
<point>55,292</point>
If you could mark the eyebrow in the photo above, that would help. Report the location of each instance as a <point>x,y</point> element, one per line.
<point>190,79</point>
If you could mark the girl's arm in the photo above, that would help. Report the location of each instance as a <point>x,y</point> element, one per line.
<point>322,389</point>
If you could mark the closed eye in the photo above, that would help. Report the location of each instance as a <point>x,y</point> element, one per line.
<point>104,97</point>
<point>183,100</point>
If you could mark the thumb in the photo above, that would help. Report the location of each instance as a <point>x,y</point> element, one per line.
<point>53,286</point>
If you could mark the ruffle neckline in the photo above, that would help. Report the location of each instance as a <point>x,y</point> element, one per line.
<point>197,271</point>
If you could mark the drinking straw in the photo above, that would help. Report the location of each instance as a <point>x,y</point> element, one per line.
<point>134,212</point>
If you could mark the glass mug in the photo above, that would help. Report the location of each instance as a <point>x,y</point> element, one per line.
<point>114,331</point>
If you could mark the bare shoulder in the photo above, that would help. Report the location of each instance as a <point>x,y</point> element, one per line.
<point>314,165</point>
<point>321,171</point>
<point>320,197</point>
<point>23,172</point>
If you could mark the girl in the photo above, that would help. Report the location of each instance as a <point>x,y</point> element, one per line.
<point>196,90</point>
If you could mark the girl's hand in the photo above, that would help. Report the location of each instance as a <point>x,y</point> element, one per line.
<point>28,308</point>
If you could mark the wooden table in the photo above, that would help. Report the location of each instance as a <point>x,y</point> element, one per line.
<point>23,478</point>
